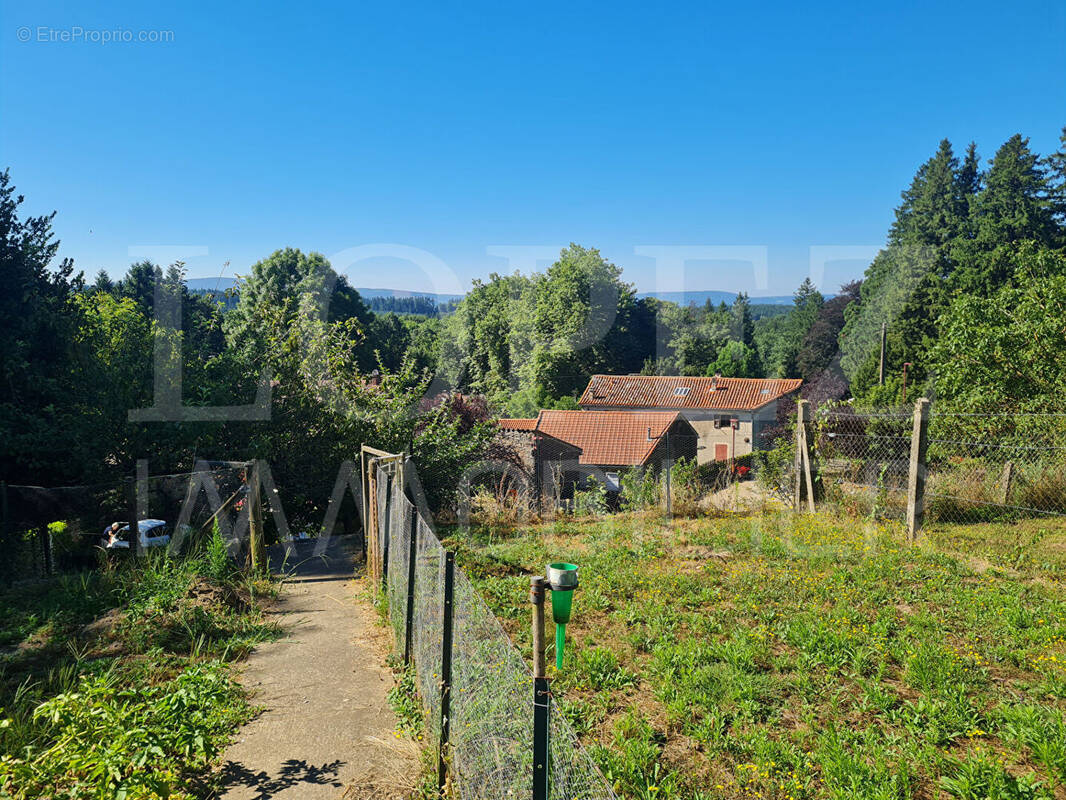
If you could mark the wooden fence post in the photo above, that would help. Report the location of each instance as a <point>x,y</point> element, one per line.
<point>386,532</point>
<point>135,525</point>
<point>373,522</point>
<point>256,550</point>
<point>1006,480</point>
<point>917,473</point>
<point>803,481</point>
<point>541,693</point>
<point>797,462</point>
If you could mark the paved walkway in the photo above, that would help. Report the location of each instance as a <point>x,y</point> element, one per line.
<point>326,730</point>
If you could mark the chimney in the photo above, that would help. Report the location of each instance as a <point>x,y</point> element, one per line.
<point>714,381</point>
<point>375,378</point>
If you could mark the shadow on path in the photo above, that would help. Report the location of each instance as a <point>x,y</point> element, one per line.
<point>293,772</point>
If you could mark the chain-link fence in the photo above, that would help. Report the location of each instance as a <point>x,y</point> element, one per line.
<point>48,530</point>
<point>995,466</point>
<point>947,465</point>
<point>861,460</point>
<point>490,737</point>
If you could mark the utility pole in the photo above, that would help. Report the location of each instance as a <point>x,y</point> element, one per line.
<point>881,367</point>
<point>905,365</point>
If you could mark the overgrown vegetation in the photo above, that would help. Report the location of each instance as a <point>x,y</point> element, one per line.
<point>115,684</point>
<point>803,657</point>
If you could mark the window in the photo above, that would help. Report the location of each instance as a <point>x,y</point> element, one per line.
<point>765,391</point>
<point>681,391</point>
<point>613,484</point>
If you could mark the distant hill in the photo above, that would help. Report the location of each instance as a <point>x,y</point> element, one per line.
<point>439,298</point>
<point>210,284</point>
<point>701,297</point>
<point>386,295</point>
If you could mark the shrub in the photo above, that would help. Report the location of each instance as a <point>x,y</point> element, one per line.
<point>591,501</point>
<point>116,738</point>
<point>639,489</point>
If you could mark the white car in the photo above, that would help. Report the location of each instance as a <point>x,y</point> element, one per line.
<point>153,533</point>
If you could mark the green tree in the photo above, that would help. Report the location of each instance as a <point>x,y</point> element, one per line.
<point>779,340</point>
<point>38,322</point>
<point>1009,348</point>
<point>903,286</point>
<point>1013,207</point>
<point>820,346</point>
<point>736,360</point>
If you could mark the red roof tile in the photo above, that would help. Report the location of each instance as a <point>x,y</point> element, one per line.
<point>672,391</point>
<point>609,438</point>
<point>518,424</point>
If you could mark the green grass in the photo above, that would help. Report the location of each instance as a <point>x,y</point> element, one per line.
<point>803,657</point>
<point>138,704</point>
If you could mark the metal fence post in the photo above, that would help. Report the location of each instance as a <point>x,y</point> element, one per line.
<point>412,560</point>
<point>916,476</point>
<point>446,670</point>
<point>541,692</point>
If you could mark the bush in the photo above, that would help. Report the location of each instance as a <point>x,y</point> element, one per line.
<point>119,738</point>
<point>639,489</point>
<point>591,501</point>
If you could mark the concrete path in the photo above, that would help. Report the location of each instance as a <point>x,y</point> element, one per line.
<point>326,730</point>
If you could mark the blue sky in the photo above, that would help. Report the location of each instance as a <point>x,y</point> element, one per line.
<point>453,129</point>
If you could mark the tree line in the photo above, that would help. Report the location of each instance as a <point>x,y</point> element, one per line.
<point>971,285</point>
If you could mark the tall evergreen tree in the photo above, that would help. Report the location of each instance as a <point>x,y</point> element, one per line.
<point>1013,207</point>
<point>904,286</point>
<point>742,327</point>
<point>1056,171</point>
<point>38,323</point>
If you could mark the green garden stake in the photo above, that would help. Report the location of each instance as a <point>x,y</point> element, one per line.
<point>562,578</point>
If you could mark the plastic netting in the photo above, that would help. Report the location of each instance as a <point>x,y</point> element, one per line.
<point>491,726</point>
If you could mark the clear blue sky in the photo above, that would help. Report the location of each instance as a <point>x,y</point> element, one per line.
<point>453,129</point>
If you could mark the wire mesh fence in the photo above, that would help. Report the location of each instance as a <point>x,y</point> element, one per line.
<point>48,530</point>
<point>491,688</point>
<point>995,467</point>
<point>862,460</point>
<point>968,467</point>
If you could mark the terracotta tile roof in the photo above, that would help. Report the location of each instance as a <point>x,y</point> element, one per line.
<point>609,438</point>
<point>672,391</point>
<point>518,424</point>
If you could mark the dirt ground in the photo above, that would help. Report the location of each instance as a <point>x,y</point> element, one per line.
<point>326,729</point>
<point>741,496</point>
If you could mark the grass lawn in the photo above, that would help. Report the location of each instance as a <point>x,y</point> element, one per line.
<point>115,684</point>
<point>802,656</point>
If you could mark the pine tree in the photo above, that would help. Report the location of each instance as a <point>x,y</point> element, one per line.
<point>742,326</point>
<point>1056,172</point>
<point>1013,207</point>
